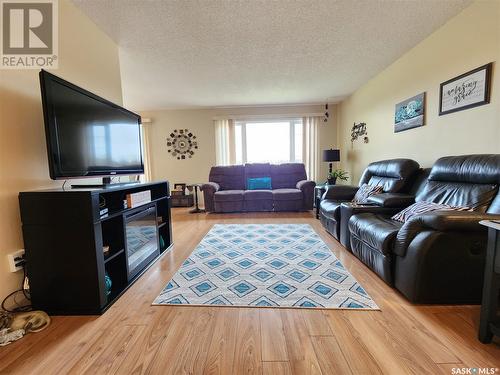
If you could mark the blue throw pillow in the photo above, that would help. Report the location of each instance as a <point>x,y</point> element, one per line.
<point>259,183</point>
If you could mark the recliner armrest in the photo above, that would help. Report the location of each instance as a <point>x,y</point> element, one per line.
<point>305,184</point>
<point>349,208</point>
<point>340,192</point>
<point>210,187</point>
<point>456,220</point>
<point>443,221</point>
<point>392,200</point>
<point>307,189</point>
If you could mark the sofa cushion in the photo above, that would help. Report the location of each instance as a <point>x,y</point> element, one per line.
<point>230,177</point>
<point>476,196</point>
<point>229,196</point>
<point>287,175</point>
<point>466,180</point>
<point>253,170</point>
<point>287,194</point>
<point>258,194</point>
<point>476,169</point>
<point>393,175</point>
<point>330,209</point>
<point>376,231</point>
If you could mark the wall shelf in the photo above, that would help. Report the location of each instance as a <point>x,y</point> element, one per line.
<point>107,258</point>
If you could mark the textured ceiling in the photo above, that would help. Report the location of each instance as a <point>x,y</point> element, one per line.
<point>190,53</point>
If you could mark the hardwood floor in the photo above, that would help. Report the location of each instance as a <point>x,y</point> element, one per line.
<point>133,337</point>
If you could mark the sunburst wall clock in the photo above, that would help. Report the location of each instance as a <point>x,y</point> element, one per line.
<point>181,144</point>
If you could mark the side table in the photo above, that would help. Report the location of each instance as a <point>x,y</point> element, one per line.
<point>197,208</point>
<point>489,324</point>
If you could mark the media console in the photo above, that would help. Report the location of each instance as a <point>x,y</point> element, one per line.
<point>66,232</point>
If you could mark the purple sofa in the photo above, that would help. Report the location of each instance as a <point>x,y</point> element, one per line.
<point>226,191</point>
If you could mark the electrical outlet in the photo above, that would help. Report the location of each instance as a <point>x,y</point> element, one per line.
<point>12,262</point>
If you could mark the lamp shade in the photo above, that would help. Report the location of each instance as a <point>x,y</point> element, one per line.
<point>331,155</point>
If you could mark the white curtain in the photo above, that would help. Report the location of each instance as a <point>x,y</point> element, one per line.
<point>224,142</point>
<point>310,146</point>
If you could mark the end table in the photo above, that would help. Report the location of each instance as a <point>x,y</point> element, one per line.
<point>489,324</point>
<point>197,208</point>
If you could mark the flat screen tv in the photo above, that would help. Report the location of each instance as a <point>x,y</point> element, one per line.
<point>88,136</point>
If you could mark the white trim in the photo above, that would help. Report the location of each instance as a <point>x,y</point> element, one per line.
<point>287,116</point>
<point>334,100</point>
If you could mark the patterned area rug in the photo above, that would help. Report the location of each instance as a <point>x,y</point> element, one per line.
<point>264,265</point>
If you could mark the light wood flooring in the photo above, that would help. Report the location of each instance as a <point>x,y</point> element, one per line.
<point>133,337</point>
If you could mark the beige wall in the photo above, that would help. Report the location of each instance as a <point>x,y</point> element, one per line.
<point>87,57</point>
<point>200,122</point>
<point>467,41</point>
<point>166,167</point>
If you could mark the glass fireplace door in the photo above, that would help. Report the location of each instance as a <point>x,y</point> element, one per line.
<point>142,244</point>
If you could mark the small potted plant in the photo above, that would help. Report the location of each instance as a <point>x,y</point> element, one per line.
<point>337,174</point>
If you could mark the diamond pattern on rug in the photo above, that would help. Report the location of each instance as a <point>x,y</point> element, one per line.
<point>263,274</point>
<point>227,274</point>
<point>264,265</point>
<point>282,289</point>
<point>242,288</point>
<point>203,288</point>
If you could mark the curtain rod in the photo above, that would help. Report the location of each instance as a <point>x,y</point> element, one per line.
<point>268,116</point>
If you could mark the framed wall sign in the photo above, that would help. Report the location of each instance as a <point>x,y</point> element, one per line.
<point>468,90</point>
<point>409,113</point>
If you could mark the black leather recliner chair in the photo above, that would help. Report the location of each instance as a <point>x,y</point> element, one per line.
<point>386,204</point>
<point>395,175</point>
<point>436,257</point>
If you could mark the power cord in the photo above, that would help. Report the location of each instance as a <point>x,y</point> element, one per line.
<point>19,307</point>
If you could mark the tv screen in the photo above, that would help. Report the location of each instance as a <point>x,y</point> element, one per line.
<point>86,134</point>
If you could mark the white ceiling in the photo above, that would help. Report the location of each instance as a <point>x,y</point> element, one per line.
<point>189,53</point>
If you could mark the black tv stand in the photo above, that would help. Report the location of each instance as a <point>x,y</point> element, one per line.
<point>65,236</point>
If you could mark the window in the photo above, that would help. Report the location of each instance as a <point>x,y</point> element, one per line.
<point>273,141</point>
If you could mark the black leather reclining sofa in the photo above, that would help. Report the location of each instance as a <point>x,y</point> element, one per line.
<point>437,257</point>
<point>396,176</point>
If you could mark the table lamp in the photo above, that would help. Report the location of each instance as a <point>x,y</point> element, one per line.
<point>330,156</point>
